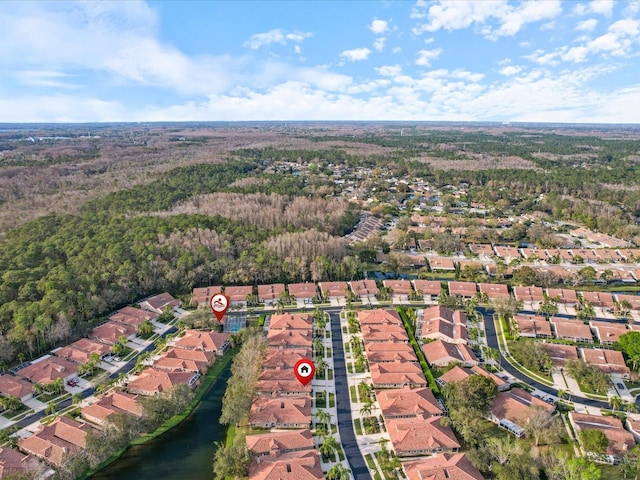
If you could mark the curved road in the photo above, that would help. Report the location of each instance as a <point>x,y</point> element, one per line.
<point>492,341</point>
<point>343,404</point>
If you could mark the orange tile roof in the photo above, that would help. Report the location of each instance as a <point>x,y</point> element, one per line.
<point>334,289</point>
<point>620,440</point>
<point>186,354</point>
<point>379,316</point>
<point>634,300</point>
<point>458,374</point>
<point>371,348</point>
<point>133,316</point>
<point>608,361</point>
<point>397,374</point>
<point>516,405</point>
<point>113,402</point>
<point>281,411</point>
<point>14,386</point>
<point>608,332</point>
<point>202,295</point>
<point>284,358</point>
<point>384,332</point>
<point>391,356</point>
<point>560,353</point>
<point>48,370</point>
<point>533,326</point>
<point>160,302</point>
<point>443,323</point>
<point>238,293</point>
<point>275,443</point>
<point>427,287</point>
<point>302,290</point>
<point>442,353</point>
<point>364,287</point>
<point>270,292</point>
<point>289,338</point>
<point>563,295</point>
<point>198,340</point>
<point>110,332</point>
<point>598,299</point>
<point>494,290</point>
<point>441,263</point>
<point>399,287</point>
<point>408,402</point>
<point>13,462</point>
<point>303,465</point>
<point>152,381</point>
<point>289,321</point>
<point>463,289</point>
<point>417,436</point>
<point>528,294</point>
<point>571,329</point>
<point>442,467</point>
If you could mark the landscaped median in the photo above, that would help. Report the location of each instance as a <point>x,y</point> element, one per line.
<point>416,348</point>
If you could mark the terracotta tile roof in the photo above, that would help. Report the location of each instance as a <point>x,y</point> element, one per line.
<point>469,263</point>
<point>634,300</point>
<point>379,316</point>
<point>303,465</point>
<point>408,402</point>
<point>281,411</point>
<point>441,263</point>
<point>571,329</point>
<point>110,332</point>
<point>334,289</point>
<point>392,357</point>
<point>91,346</point>
<point>533,326</point>
<point>289,321</point>
<point>238,293</point>
<point>463,289</point>
<point>418,436</point>
<point>537,252</point>
<point>284,358</point>
<point>608,361</point>
<point>133,316</point>
<point>48,370</point>
<point>270,292</point>
<point>173,364</point>
<point>598,299</point>
<point>481,249</point>
<point>80,351</point>
<point>364,287</point>
<point>442,467</point>
<point>509,253</point>
<point>202,295</point>
<point>439,322</point>
<point>152,381</point>
<point>516,405</point>
<point>302,290</point>
<point>201,340</point>
<point>399,287</point>
<point>282,382</point>
<point>397,374</point>
<point>620,440</point>
<point>384,333</point>
<point>186,354</point>
<point>528,294</point>
<point>160,302</point>
<point>563,295</point>
<point>494,290</point>
<point>15,386</point>
<point>563,253</point>
<point>54,442</point>
<point>427,287</point>
<point>608,332</point>
<point>559,353</point>
<point>458,374</point>
<point>442,353</point>
<point>113,402</point>
<point>275,443</point>
<point>13,462</point>
<point>289,338</point>
<point>372,348</point>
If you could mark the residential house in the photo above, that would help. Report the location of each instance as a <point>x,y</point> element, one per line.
<point>238,295</point>
<point>482,249</point>
<point>385,347</point>
<point>443,264</point>
<point>408,403</point>
<point>202,296</point>
<point>494,290</point>
<point>441,354</point>
<point>599,299</point>
<point>14,463</point>
<point>81,351</point>
<point>365,289</point>
<point>207,341</point>
<point>15,387</point>
<point>508,254</point>
<point>397,375</point>
<point>303,291</point>
<point>334,290</point>
<point>173,364</point>
<point>303,465</point>
<point>441,323</point>
<point>384,333</point>
<point>607,361</point>
<point>423,436</point>
<point>431,288</point>
<point>458,374</point>
<point>620,440</point>
<point>152,381</point>
<point>528,294</point>
<point>608,332</point>
<point>462,289</point>
<point>511,410</point>
<point>57,441</point>
<point>562,295</point>
<point>113,402</point>
<point>559,353</point>
<point>533,326</point>
<point>110,332</point>
<point>133,316</point>
<point>159,303</point>
<point>279,381</point>
<point>204,357</point>
<point>574,330</point>
<point>401,289</point>
<point>535,253</point>
<point>390,356</point>
<point>278,443</point>
<point>284,358</point>
<point>442,467</point>
<point>291,321</point>
<point>379,316</point>
<point>280,412</point>
<point>48,369</point>
<point>633,300</point>
<point>290,338</point>
<point>270,294</point>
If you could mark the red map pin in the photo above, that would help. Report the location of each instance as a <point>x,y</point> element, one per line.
<point>219,303</point>
<point>304,370</point>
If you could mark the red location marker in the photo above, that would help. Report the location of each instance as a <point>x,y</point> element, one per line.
<point>219,303</point>
<point>304,370</point>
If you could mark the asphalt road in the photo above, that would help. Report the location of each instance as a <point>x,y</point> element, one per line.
<point>492,341</point>
<point>343,403</point>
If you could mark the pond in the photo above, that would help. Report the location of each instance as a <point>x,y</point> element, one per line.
<point>184,452</point>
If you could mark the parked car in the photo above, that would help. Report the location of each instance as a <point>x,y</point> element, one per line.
<point>620,386</point>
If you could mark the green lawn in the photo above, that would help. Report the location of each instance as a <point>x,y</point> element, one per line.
<point>354,395</point>
<point>358,426</point>
<point>332,400</point>
<point>347,348</point>
<point>321,401</point>
<point>327,352</point>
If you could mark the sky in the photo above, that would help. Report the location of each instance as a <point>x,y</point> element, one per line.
<point>454,60</point>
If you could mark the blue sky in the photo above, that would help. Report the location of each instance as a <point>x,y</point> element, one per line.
<point>546,61</point>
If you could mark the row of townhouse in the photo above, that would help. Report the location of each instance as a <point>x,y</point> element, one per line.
<point>619,440</point>
<point>282,402</point>
<point>589,255</point>
<point>411,413</point>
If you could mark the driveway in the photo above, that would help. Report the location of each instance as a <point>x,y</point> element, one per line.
<point>343,403</point>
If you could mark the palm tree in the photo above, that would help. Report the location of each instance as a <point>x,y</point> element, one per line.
<point>322,416</point>
<point>321,366</point>
<point>329,446</point>
<point>76,398</point>
<point>630,407</point>
<point>37,388</point>
<point>338,472</point>
<point>615,402</point>
<point>318,346</point>
<point>58,385</point>
<point>367,407</point>
<point>51,409</point>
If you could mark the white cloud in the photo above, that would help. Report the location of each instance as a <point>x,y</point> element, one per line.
<point>356,54</point>
<point>276,35</point>
<point>379,26</point>
<point>602,7</point>
<point>587,25</point>
<point>495,18</point>
<point>379,43</point>
<point>45,78</point>
<point>510,70</point>
<point>389,70</point>
<point>426,56</point>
